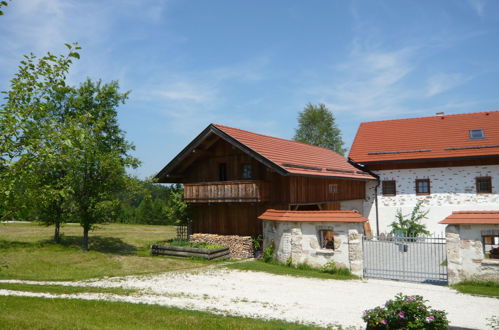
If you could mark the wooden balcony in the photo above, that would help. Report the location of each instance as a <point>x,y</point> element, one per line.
<point>226,191</point>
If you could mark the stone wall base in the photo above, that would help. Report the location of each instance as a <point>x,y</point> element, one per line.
<point>239,246</point>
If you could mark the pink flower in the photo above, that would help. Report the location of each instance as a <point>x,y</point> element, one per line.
<point>430,318</point>
<point>383,321</point>
<point>401,315</point>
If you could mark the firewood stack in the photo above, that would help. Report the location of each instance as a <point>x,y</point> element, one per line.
<point>239,246</point>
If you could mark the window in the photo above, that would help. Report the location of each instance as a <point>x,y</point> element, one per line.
<point>476,134</point>
<point>389,188</point>
<point>222,172</point>
<point>247,171</point>
<point>326,238</point>
<point>333,188</point>
<point>490,240</point>
<point>423,186</point>
<point>484,185</point>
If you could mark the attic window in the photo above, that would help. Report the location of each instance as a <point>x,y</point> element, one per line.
<point>476,134</point>
<point>333,188</point>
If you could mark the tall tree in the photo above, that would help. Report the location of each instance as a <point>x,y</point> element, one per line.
<point>32,141</point>
<point>99,155</point>
<point>316,126</point>
<point>62,152</point>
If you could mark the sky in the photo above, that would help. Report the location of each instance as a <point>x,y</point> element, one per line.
<point>255,64</point>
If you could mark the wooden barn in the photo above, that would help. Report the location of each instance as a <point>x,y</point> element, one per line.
<point>232,176</point>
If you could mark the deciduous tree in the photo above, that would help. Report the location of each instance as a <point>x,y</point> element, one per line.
<point>316,126</point>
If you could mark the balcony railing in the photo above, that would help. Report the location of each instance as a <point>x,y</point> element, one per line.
<point>226,191</point>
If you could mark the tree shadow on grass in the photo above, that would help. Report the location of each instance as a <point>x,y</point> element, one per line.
<point>5,244</point>
<point>101,244</point>
<point>96,243</point>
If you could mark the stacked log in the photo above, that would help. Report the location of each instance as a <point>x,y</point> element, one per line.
<point>239,246</point>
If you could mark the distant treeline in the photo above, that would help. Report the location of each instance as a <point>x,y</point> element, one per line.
<point>143,202</point>
<point>154,204</point>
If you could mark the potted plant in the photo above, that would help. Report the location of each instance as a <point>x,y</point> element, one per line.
<point>494,253</point>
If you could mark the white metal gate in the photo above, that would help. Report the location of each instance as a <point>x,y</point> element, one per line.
<point>413,259</point>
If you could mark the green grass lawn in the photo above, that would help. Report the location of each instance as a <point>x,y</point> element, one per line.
<point>481,288</point>
<point>82,314</point>
<point>28,252</point>
<point>278,269</point>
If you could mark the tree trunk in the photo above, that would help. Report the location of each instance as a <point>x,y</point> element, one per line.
<point>57,232</point>
<point>85,238</point>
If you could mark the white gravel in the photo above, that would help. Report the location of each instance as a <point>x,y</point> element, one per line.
<point>295,299</point>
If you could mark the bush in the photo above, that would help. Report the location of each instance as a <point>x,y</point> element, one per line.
<point>409,225</point>
<point>405,312</point>
<point>332,268</point>
<point>268,252</point>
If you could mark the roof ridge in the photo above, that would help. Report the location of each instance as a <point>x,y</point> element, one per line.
<point>277,138</point>
<point>433,116</point>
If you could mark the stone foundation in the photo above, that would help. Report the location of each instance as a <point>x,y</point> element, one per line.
<point>239,246</point>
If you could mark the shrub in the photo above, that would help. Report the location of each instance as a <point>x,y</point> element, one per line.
<point>332,268</point>
<point>257,243</point>
<point>405,312</point>
<point>409,225</point>
<point>268,252</point>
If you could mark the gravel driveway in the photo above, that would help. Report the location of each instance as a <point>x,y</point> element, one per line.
<point>255,294</point>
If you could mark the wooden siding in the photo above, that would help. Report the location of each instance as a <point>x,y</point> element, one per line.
<point>308,189</point>
<point>226,191</point>
<point>205,168</point>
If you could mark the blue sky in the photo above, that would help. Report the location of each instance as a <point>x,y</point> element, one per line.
<point>255,64</point>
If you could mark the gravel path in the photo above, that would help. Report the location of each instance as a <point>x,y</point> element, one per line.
<point>296,299</point>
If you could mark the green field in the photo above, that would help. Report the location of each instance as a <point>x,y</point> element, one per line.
<point>28,252</point>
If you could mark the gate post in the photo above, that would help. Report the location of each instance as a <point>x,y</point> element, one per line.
<point>454,260</point>
<point>355,253</point>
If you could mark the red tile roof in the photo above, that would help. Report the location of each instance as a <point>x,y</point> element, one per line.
<point>472,218</point>
<point>296,157</point>
<point>442,136</point>
<point>312,216</point>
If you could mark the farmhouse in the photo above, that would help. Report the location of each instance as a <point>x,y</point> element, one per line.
<point>232,176</point>
<point>451,162</point>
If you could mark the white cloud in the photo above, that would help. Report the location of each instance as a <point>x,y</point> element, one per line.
<point>478,6</point>
<point>442,82</point>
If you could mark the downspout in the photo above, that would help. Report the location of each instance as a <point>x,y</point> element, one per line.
<point>378,182</point>
<point>376,203</point>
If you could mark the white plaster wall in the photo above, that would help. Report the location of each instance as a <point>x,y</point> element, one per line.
<point>452,189</point>
<point>353,205</point>
<point>300,242</point>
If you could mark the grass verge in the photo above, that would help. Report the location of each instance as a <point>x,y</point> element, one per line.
<point>278,269</point>
<point>476,287</point>
<point>61,289</point>
<point>81,314</point>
